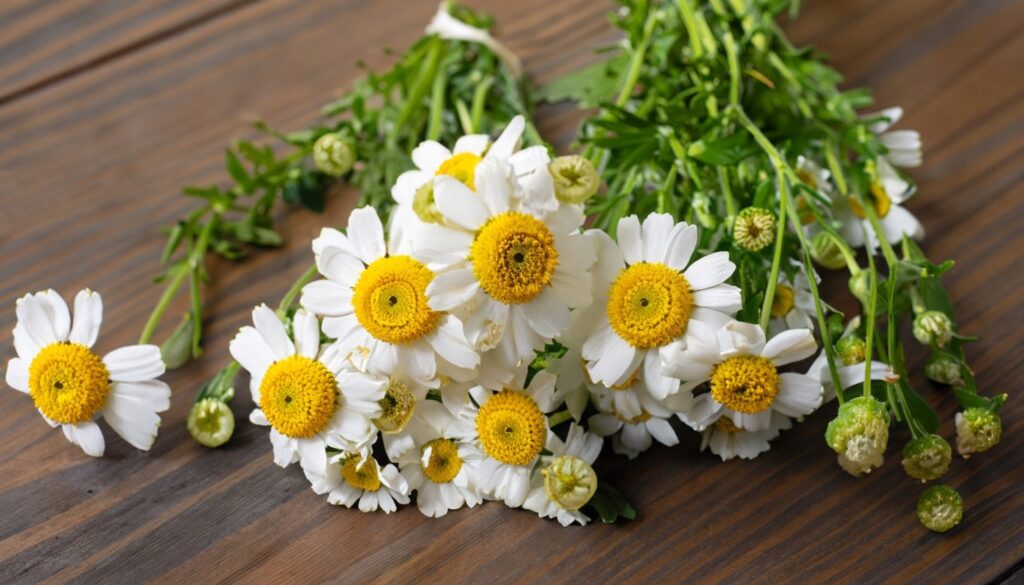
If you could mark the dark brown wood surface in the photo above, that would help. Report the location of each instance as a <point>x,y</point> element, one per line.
<point>108,108</point>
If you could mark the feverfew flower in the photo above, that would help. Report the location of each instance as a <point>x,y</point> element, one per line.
<point>744,382</point>
<point>510,429</point>
<point>71,385</point>
<point>632,417</point>
<point>977,430</point>
<point>566,481</point>
<point>904,146</point>
<point>859,434</point>
<point>357,477</point>
<point>509,270</point>
<point>306,396</point>
<point>927,457</point>
<point>375,304</point>
<point>885,194</point>
<point>940,508</point>
<point>793,303</point>
<point>656,295</point>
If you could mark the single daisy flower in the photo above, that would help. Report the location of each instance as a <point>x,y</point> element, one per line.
<point>793,304</point>
<point>657,293</point>
<point>306,395</point>
<point>728,441</point>
<point>439,460</point>
<point>566,480</point>
<point>633,418</point>
<point>511,272</point>
<point>741,369</point>
<point>903,147</point>
<point>447,26</point>
<point>375,304</point>
<point>357,477</point>
<point>510,429</point>
<point>885,194</point>
<point>71,385</point>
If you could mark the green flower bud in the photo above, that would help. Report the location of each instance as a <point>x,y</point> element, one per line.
<point>569,482</point>
<point>333,155</point>
<point>826,252</point>
<point>860,286</point>
<point>977,430</point>
<point>933,326</point>
<point>425,206</point>
<point>754,228</point>
<point>576,179</point>
<point>940,508</point>
<point>859,434</point>
<point>943,369</point>
<point>210,422</point>
<point>852,350</point>
<point>927,458</point>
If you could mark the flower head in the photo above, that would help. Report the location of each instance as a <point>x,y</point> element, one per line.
<point>576,179</point>
<point>754,228</point>
<point>940,508</point>
<point>349,478</point>
<point>566,480</point>
<point>933,327</point>
<point>859,434</point>
<point>333,155</point>
<point>927,458</point>
<point>211,422</point>
<point>977,430</point>
<point>943,369</point>
<point>71,385</point>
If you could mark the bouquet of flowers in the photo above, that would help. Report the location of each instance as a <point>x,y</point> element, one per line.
<point>490,313</point>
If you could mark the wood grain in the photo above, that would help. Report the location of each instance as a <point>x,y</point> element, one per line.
<point>91,164</point>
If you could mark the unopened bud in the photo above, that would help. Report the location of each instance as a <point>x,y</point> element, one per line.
<point>424,205</point>
<point>860,286</point>
<point>569,482</point>
<point>211,422</point>
<point>333,155</point>
<point>859,434</point>
<point>933,327</point>
<point>943,369</point>
<point>927,458</point>
<point>852,350</point>
<point>826,252</point>
<point>576,179</point>
<point>977,430</point>
<point>940,508</point>
<point>754,228</point>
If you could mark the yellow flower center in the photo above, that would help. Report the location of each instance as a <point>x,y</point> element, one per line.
<point>514,257</point>
<point>782,303</point>
<point>361,474</point>
<point>649,305</point>
<point>390,300</point>
<point>462,166</point>
<point>443,463</point>
<point>726,425</point>
<point>569,482</point>
<point>879,198</point>
<point>68,382</point>
<point>298,396</point>
<point>511,427</point>
<point>745,383</point>
<point>396,408</point>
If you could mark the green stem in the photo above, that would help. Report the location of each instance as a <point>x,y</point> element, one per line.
<point>835,167</point>
<point>638,58</point>
<point>870,327</point>
<point>730,202</point>
<point>436,106</point>
<point>558,418</point>
<point>289,297</point>
<point>165,300</point>
<point>691,29</point>
<point>419,88</point>
<point>734,68</point>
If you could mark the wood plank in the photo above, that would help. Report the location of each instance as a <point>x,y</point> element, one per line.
<point>90,166</point>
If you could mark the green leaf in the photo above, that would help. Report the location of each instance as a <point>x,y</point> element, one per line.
<point>236,170</point>
<point>922,412</point>
<point>589,86</point>
<point>610,504</point>
<point>176,351</point>
<point>723,151</point>
<point>173,241</point>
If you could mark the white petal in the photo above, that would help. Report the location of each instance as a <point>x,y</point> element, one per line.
<point>86,435</point>
<point>366,234</point>
<point>899,222</point>
<point>662,432</point>
<point>251,351</point>
<point>35,322</point>
<point>269,325</point>
<point>472,143</point>
<point>156,395</point>
<point>508,141</point>
<point>326,297</point>
<point>134,420</point>
<point>459,204</point>
<point>493,185</point>
<point>17,374</point>
<point>306,330</point>
<point>709,271</point>
<point>658,384</point>
<point>547,315</point>
<point>449,341</point>
<point>330,238</point>
<point>738,337</point>
<point>134,363</point>
<point>452,290</point>
<point>58,312</point>
<point>790,346</point>
<point>630,241</point>
<point>681,245</point>
<point>604,424</point>
<point>657,230</point>
<point>798,394</point>
<point>429,155</point>
<point>724,297</point>
<point>88,316</point>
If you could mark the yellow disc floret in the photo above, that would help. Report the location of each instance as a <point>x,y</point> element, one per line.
<point>68,382</point>
<point>441,460</point>
<point>726,425</point>
<point>878,197</point>
<point>396,408</point>
<point>745,383</point>
<point>649,305</point>
<point>298,396</point>
<point>514,257</point>
<point>512,428</point>
<point>390,300</point>
<point>361,473</point>
<point>462,166</point>
<point>782,302</point>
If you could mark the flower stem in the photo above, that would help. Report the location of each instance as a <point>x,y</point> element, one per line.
<point>558,418</point>
<point>637,62</point>
<point>696,47</point>
<point>289,297</point>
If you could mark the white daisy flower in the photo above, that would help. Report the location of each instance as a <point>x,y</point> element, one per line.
<point>511,272</point>
<point>308,397</point>
<point>375,304</point>
<point>71,385</point>
<point>793,304</point>
<point>886,195</point>
<point>728,441</point>
<point>566,481</point>
<point>632,417</point>
<point>903,146</point>
<point>510,429</point>
<point>438,460</point>
<point>357,477</point>
<point>741,369</point>
<point>447,26</point>
<point>656,294</point>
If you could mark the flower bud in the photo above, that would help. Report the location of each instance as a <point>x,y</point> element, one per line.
<point>333,155</point>
<point>943,369</point>
<point>569,482</point>
<point>927,458</point>
<point>211,422</point>
<point>826,252</point>
<point>852,350</point>
<point>860,286</point>
<point>424,206</point>
<point>859,434</point>
<point>940,508</point>
<point>977,430</point>
<point>933,326</point>
<point>576,179</point>
<point>754,228</point>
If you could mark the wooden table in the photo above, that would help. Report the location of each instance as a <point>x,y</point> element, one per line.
<point>108,108</point>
